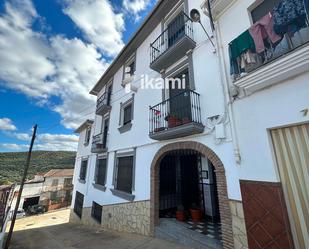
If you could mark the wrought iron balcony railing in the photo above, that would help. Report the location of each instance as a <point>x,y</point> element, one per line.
<point>103,104</point>
<point>177,112</point>
<point>180,27</point>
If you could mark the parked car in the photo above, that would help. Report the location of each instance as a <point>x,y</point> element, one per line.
<point>36,209</point>
<point>20,214</point>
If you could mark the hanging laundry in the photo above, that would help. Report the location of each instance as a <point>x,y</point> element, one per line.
<point>263,29</point>
<point>289,16</point>
<point>247,60</point>
<point>241,44</point>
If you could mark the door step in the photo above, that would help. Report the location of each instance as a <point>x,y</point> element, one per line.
<point>171,229</point>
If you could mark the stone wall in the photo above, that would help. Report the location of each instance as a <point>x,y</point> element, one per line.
<point>133,217</point>
<point>238,223</point>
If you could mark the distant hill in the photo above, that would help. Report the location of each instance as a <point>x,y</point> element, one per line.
<point>12,163</point>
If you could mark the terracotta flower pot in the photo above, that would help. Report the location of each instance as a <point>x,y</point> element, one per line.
<point>172,122</point>
<point>196,215</point>
<point>180,215</point>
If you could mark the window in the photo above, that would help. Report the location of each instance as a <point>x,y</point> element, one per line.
<point>124,174</point>
<point>96,212</point>
<point>126,115</point>
<point>78,205</point>
<point>101,168</point>
<point>105,131</point>
<point>129,68</point>
<point>83,170</point>
<point>55,182</point>
<point>87,136</point>
<point>53,195</point>
<point>262,9</point>
<point>67,182</point>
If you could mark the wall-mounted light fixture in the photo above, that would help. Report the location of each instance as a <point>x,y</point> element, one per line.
<point>196,17</point>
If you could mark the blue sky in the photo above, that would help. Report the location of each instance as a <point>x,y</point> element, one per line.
<point>52,52</point>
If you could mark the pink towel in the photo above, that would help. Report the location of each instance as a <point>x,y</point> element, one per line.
<point>261,30</point>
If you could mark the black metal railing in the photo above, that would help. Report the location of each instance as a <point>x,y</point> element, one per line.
<point>181,109</point>
<point>99,142</point>
<point>181,26</point>
<point>288,43</point>
<point>104,100</point>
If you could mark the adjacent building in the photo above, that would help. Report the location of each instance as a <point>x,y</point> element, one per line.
<point>53,190</point>
<point>231,142</point>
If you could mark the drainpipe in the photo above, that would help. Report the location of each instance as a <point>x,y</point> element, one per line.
<point>225,87</point>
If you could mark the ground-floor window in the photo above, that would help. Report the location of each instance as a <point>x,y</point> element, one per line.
<point>78,205</point>
<point>96,212</point>
<point>100,174</point>
<point>124,174</point>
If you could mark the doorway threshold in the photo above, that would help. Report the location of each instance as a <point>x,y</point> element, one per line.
<point>183,233</point>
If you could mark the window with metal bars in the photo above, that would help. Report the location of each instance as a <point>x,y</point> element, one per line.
<point>96,212</point>
<point>83,170</point>
<point>78,205</point>
<point>124,177</point>
<point>101,168</point>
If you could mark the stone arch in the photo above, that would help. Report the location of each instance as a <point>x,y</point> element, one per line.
<point>224,207</point>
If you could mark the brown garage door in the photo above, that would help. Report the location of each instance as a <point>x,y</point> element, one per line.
<point>291,146</point>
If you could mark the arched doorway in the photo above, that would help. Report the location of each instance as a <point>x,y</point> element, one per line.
<point>224,209</point>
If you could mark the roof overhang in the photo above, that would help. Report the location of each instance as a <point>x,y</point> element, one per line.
<point>162,8</point>
<point>84,125</point>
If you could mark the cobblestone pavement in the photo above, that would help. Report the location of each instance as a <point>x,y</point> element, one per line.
<point>52,231</point>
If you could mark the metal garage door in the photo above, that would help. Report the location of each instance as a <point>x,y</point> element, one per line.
<point>291,146</point>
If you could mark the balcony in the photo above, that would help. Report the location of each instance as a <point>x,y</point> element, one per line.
<point>176,117</point>
<point>103,104</point>
<point>99,143</point>
<point>279,62</point>
<point>172,44</point>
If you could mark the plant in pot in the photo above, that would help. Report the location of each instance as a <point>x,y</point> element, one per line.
<point>196,213</point>
<point>180,213</point>
<point>171,120</point>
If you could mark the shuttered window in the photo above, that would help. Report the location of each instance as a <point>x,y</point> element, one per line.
<point>96,212</point>
<point>78,205</point>
<point>124,178</point>
<point>101,168</point>
<point>127,114</point>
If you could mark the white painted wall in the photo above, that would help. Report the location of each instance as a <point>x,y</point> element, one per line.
<point>207,83</point>
<point>277,106</point>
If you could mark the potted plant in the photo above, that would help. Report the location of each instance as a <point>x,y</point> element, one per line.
<point>171,120</point>
<point>180,213</point>
<point>196,213</point>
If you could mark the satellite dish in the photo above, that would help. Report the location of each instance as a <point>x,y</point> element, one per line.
<point>195,15</point>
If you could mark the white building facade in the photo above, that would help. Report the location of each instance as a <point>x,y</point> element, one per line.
<point>152,152</point>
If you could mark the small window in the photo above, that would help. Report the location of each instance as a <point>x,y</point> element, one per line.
<point>127,114</point>
<point>55,182</point>
<point>101,168</point>
<point>53,195</point>
<point>83,170</point>
<point>87,136</point>
<point>96,212</point>
<point>129,68</point>
<point>67,182</point>
<point>124,176</point>
<point>78,205</point>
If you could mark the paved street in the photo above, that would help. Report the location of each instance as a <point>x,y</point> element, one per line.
<point>52,231</point>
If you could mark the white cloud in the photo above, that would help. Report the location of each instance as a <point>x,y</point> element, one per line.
<point>135,7</point>
<point>54,142</point>
<point>24,54</point>
<point>42,67</point>
<point>6,124</point>
<point>99,22</point>
<point>16,147</point>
